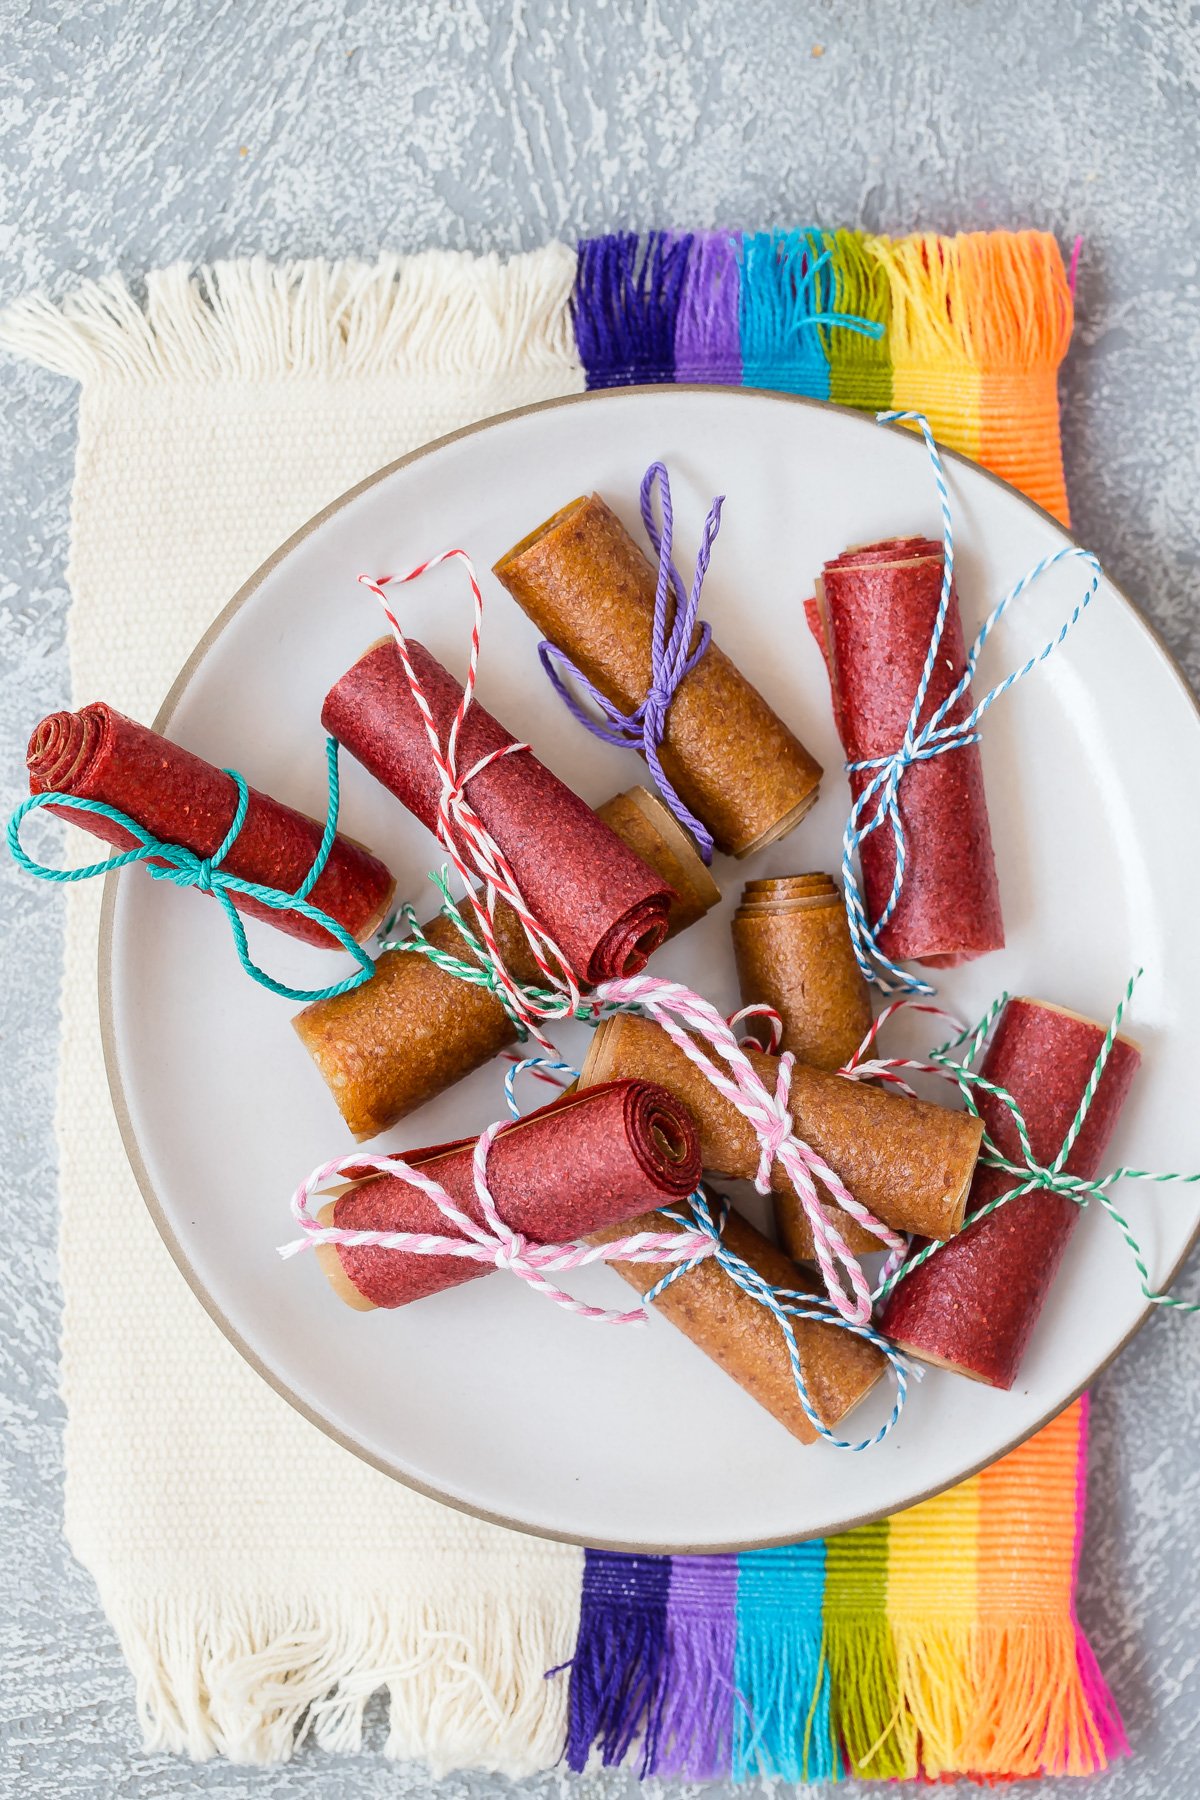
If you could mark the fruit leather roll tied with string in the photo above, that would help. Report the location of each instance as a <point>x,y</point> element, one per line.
<point>415,1028</point>
<point>582,1163</point>
<point>99,754</point>
<point>590,590</point>
<point>793,952</point>
<point>602,906</point>
<point>907,1161</point>
<point>973,1305</point>
<point>874,617</point>
<point>740,1335</point>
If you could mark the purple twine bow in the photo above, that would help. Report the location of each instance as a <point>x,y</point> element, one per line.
<point>671,660</point>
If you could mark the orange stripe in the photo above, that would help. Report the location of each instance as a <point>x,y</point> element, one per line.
<point>979,326</point>
<point>1026,1555</point>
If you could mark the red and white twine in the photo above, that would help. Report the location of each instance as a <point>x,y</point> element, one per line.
<point>462,833</point>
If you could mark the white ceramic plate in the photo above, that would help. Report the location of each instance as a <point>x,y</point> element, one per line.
<point>489,1396</point>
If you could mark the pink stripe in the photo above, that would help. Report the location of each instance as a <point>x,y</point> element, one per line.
<point>1105,1715</point>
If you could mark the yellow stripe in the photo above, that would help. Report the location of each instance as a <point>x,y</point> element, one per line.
<point>932,1604</point>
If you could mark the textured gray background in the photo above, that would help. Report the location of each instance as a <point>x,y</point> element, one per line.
<point>136,132</point>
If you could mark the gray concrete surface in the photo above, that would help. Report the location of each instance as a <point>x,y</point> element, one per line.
<point>134,132</point>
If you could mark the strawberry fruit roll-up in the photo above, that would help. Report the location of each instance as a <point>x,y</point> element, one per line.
<point>973,1305</point>
<point>582,1163</point>
<point>99,754</point>
<point>599,902</point>
<point>874,617</point>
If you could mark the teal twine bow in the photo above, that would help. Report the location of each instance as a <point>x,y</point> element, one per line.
<point>1032,1176</point>
<point>183,868</point>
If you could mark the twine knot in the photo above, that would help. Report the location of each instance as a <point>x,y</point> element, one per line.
<point>511,1252</point>
<point>680,1012</point>
<point>673,654</point>
<point>777,1126</point>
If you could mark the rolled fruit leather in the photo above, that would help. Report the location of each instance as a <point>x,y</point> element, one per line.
<point>873,617</point>
<point>743,1338</point>
<point>582,1163</point>
<point>413,1030</point>
<point>973,1305</point>
<point>602,906</point>
<point>791,944</point>
<point>909,1162</point>
<point>590,589</point>
<point>99,754</point>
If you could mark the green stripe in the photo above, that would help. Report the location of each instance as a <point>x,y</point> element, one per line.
<point>860,367</point>
<point>862,1656</point>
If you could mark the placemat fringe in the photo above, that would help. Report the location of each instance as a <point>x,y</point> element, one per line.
<point>250,1679</point>
<point>442,311</point>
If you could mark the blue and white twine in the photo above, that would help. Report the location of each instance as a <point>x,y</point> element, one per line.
<point>784,1305</point>
<point>879,804</point>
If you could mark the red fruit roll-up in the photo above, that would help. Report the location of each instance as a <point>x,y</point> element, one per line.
<point>973,1306</point>
<point>99,754</point>
<point>582,1163</point>
<point>601,904</point>
<point>874,617</point>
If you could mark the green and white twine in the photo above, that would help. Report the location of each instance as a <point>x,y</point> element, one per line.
<point>1032,1176</point>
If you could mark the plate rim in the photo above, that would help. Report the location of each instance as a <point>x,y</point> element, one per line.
<point>107,1020</point>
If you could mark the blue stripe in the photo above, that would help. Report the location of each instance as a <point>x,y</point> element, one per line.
<point>782,1720</point>
<point>780,296</point>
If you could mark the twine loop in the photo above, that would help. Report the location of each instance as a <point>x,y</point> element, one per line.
<point>166,861</point>
<point>673,654</point>
<point>924,739</point>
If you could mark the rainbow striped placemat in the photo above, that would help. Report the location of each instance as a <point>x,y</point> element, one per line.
<point>971,329</point>
<point>943,1641</point>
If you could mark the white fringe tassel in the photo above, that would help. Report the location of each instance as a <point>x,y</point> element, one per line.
<point>439,311</point>
<point>465,1682</point>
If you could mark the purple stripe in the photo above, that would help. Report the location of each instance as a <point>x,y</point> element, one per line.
<point>708,341</point>
<point>697,1715</point>
<point>618,1673</point>
<point>627,293</point>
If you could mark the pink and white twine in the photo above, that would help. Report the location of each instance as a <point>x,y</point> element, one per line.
<point>491,1242</point>
<point>681,1013</point>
